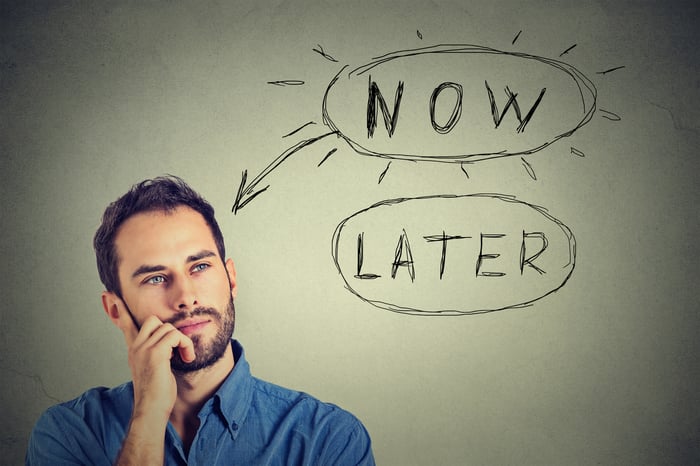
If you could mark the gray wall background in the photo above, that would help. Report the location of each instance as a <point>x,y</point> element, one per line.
<point>95,96</point>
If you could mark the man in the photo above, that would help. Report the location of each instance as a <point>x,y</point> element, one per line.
<point>160,255</point>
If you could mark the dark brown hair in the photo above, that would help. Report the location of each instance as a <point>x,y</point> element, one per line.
<point>163,193</point>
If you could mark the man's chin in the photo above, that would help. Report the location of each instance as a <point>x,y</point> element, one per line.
<point>181,367</point>
<point>204,356</point>
<point>207,351</point>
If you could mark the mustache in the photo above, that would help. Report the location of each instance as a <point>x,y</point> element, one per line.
<point>198,311</point>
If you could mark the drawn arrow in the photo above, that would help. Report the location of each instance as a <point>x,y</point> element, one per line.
<point>248,192</point>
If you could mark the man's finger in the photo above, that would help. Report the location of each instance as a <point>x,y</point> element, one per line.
<point>187,350</point>
<point>148,327</point>
<point>182,343</point>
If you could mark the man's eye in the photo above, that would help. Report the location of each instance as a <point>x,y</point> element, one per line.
<point>157,280</point>
<point>200,267</point>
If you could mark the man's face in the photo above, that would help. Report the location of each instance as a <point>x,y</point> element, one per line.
<point>169,266</point>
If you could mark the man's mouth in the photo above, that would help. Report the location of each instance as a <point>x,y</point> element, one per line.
<point>191,326</point>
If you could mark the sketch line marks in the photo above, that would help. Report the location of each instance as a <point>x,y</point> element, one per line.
<point>37,380</point>
<point>331,152</point>
<point>355,97</point>
<point>517,36</point>
<point>383,174</point>
<point>299,129</point>
<point>512,100</point>
<point>567,50</point>
<point>321,52</point>
<point>577,152</point>
<point>529,169</point>
<point>443,239</point>
<point>441,256</point>
<point>360,259</point>
<point>248,192</point>
<point>287,82</point>
<point>610,70</point>
<point>609,115</point>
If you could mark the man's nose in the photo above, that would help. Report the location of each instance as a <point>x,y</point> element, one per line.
<point>184,294</point>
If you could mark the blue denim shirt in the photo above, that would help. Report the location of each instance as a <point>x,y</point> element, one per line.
<point>247,422</point>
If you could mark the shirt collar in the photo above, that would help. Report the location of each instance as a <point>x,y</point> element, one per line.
<point>233,397</point>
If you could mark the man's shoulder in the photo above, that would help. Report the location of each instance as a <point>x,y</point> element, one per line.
<point>92,409</point>
<point>83,429</point>
<point>272,396</point>
<point>329,431</point>
<point>100,395</point>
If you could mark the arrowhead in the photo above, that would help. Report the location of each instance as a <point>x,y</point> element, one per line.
<point>245,193</point>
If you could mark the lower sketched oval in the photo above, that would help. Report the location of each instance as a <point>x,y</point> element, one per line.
<point>453,254</point>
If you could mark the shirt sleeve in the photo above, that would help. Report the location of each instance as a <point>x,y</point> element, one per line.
<point>348,445</point>
<point>61,437</point>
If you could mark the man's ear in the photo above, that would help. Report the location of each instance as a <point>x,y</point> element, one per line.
<point>231,269</point>
<point>113,306</point>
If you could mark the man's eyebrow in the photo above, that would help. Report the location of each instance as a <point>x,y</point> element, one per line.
<point>144,269</point>
<point>200,255</point>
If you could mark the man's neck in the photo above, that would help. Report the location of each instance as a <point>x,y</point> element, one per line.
<point>193,391</point>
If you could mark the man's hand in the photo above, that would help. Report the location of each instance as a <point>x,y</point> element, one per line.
<point>150,350</point>
<point>155,389</point>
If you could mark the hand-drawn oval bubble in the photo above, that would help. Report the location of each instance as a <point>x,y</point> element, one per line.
<point>453,254</point>
<point>457,103</point>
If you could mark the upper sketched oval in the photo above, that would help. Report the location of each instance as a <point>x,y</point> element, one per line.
<point>450,103</point>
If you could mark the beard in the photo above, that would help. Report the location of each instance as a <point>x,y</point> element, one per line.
<point>206,352</point>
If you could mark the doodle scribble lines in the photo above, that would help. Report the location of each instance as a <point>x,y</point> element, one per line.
<point>321,52</point>
<point>415,256</point>
<point>567,50</point>
<point>287,82</point>
<point>610,70</point>
<point>331,152</point>
<point>355,107</point>
<point>528,168</point>
<point>517,36</point>
<point>383,174</point>
<point>449,254</point>
<point>357,101</point>
<point>609,115</point>
<point>299,129</point>
<point>249,191</point>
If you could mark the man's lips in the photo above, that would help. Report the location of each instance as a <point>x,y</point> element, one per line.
<point>190,326</point>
